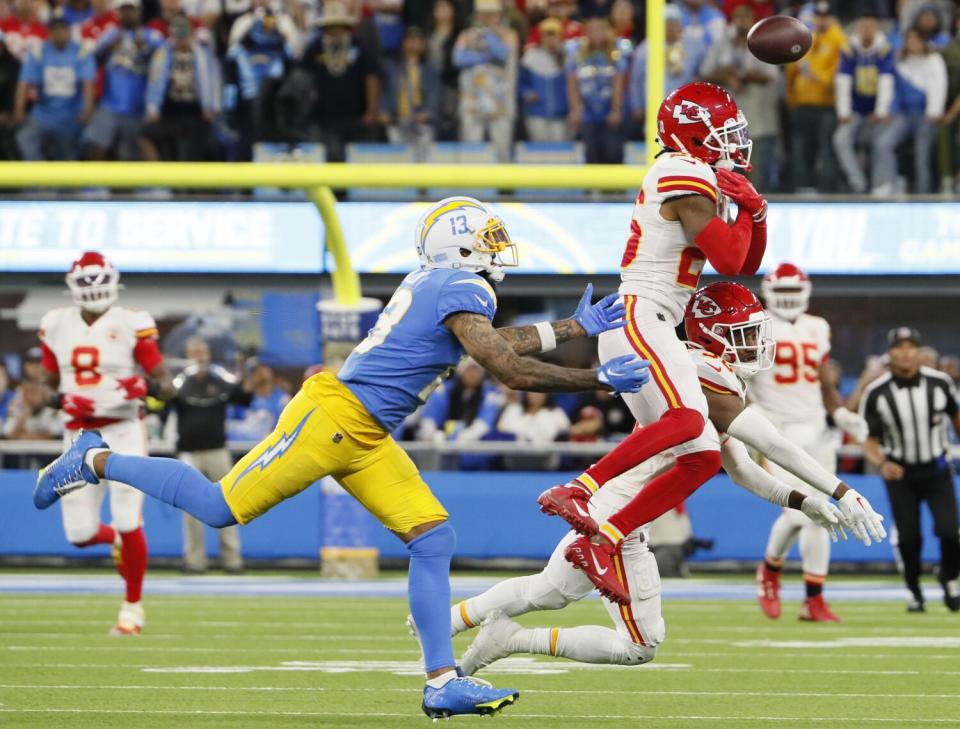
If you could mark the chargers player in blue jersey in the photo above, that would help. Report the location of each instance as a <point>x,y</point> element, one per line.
<point>340,425</point>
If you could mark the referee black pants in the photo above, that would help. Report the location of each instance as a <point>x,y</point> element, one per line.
<point>906,495</point>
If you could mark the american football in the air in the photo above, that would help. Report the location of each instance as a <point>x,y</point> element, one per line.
<point>779,39</point>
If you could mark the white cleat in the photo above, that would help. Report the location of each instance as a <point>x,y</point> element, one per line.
<point>130,621</point>
<point>491,644</point>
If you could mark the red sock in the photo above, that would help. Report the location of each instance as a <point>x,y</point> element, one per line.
<point>673,428</point>
<point>134,556</point>
<point>666,490</point>
<point>105,535</point>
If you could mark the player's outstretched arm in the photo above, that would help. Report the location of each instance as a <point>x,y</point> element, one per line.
<point>491,351</point>
<point>587,321</point>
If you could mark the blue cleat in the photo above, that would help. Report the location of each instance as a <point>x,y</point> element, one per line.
<point>69,472</point>
<point>465,695</point>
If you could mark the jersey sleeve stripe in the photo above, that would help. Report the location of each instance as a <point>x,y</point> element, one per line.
<point>656,366</point>
<point>719,389</point>
<point>148,332</point>
<point>686,184</point>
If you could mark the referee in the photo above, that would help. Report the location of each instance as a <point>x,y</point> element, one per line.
<point>907,411</point>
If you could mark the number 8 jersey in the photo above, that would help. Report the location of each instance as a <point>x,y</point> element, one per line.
<point>790,390</point>
<point>659,263</point>
<point>91,358</point>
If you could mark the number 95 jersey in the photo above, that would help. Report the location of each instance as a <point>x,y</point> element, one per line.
<point>92,357</point>
<point>409,351</point>
<point>790,390</point>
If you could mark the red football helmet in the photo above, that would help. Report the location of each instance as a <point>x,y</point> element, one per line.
<point>726,319</point>
<point>93,282</point>
<point>703,120</point>
<point>786,291</point>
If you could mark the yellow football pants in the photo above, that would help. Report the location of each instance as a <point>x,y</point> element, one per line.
<point>325,431</point>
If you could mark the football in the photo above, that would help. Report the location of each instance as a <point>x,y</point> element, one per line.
<point>779,39</point>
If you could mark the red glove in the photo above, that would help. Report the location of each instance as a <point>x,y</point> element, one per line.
<point>135,386</point>
<point>76,406</point>
<point>739,189</point>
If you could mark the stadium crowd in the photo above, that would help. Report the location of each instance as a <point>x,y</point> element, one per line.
<point>209,79</point>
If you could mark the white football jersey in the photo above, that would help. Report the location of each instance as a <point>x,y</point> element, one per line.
<point>715,374</point>
<point>659,263</point>
<point>790,390</point>
<point>93,357</point>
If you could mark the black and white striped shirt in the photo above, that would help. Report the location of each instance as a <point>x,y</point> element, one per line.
<point>910,416</point>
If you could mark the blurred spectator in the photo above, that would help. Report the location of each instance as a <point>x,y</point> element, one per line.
<point>601,416</point>
<point>412,94</point>
<point>761,8</point>
<point>125,51</point>
<point>443,34</point>
<point>685,53</point>
<point>256,421</point>
<point>533,419</point>
<point>182,98</point>
<point>102,18</point>
<point>596,73</point>
<point>23,28</point>
<point>919,102</point>
<point>262,45</point>
<point>170,9</point>
<point>486,54</point>
<point>59,76</point>
<point>947,147</point>
<point>564,11</point>
<point>464,408</point>
<point>346,80</point>
<point>874,366</point>
<point>931,19</point>
<point>929,357</point>
<point>9,74</point>
<point>76,13</point>
<point>202,394</point>
<point>753,84</point>
<point>810,96</point>
<point>29,417</point>
<point>908,11</point>
<point>948,364</point>
<point>864,91</point>
<point>702,21</point>
<point>622,16</point>
<point>543,86</point>
<point>389,23</point>
<point>6,394</point>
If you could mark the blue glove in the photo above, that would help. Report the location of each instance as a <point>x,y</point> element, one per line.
<point>627,373</point>
<point>603,316</point>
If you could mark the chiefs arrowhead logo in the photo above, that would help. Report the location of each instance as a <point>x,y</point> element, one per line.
<point>687,112</point>
<point>705,307</point>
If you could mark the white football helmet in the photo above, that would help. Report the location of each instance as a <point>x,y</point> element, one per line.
<point>786,291</point>
<point>460,232</point>
<point>93,282</point>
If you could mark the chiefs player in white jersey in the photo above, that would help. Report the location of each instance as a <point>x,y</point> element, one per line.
<point>680,220</point>
<point>93,353</point>
<point>797,397</point>
<point>728,335</point>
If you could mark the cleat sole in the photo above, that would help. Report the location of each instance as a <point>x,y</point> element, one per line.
<point>492,707</point>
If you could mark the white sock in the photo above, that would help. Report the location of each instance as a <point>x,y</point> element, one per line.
<point>586,644</point>
<point>441,680</point>
<point>782,535</point>
<point>815,549</point>
<point>91,454</point>
<point>516,596</point>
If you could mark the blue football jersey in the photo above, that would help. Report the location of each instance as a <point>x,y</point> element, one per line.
<point>409,351</point>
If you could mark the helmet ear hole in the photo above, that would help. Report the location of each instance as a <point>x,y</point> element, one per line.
<point>465,253</point>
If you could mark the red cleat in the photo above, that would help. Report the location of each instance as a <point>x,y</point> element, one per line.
<point>598,562</point>
<point>816,610</point>
<point>569,501</point>
<point>768,591</point>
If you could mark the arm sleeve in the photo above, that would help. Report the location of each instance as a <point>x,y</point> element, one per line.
<point>885,86</point>
<point>758,246</point>
<point>936,86</point>
<point>50,363</point>
<point>844,88</point>
<point>727,246</point>
<point>753,428</point>
<point>467,293</point>
<point>748,475</point>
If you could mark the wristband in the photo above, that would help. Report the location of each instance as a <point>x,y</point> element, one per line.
<point>548,338</point>
<point>761,214</point>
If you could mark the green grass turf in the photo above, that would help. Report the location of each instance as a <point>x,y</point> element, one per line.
<point>719,667</point>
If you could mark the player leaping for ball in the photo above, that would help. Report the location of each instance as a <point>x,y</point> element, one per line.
<point>93,354</point>
<point>726,345</point>
<point>340,425</point>
<point>680,220</point>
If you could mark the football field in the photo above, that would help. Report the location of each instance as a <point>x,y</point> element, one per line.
<point>258,652</point>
